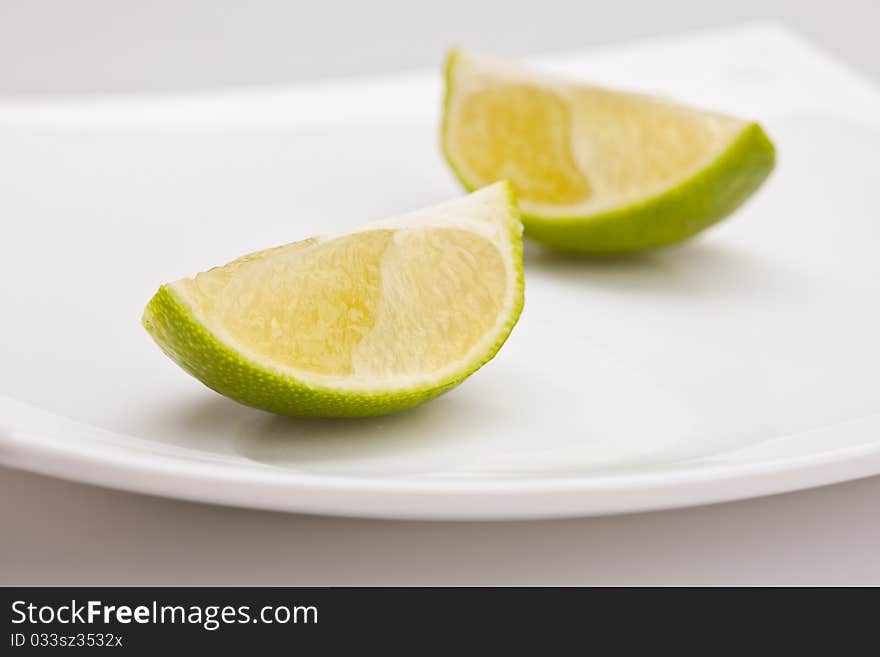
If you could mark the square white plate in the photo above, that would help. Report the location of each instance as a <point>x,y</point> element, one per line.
<point>744,363</point>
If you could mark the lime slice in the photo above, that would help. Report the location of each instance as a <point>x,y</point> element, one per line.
<point>364,323</point>
<point>595,170</point>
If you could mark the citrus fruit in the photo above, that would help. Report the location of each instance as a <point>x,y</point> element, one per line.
<point>364,323</point>
<point>595,170</point>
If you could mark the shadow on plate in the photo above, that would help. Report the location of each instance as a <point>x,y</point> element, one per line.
<point>279,440</point>
<point>694,269</point>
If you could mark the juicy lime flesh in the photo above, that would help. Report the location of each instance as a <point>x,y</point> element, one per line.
<point>379,303</point>
<point>633,145</point>
<point>521,134</point>
<point>581,144</point>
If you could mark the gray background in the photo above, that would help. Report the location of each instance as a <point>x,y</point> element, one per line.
<point>55,532</point>
<point>98,45</point>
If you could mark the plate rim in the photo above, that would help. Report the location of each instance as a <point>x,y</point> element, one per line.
<point>262,486</point>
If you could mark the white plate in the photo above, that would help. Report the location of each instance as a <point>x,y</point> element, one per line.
<point>742,364</point>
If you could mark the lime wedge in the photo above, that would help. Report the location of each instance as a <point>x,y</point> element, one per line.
<point>595,170</point>
<point>364,323</point>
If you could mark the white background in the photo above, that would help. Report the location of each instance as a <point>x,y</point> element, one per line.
<point>55,532</point>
